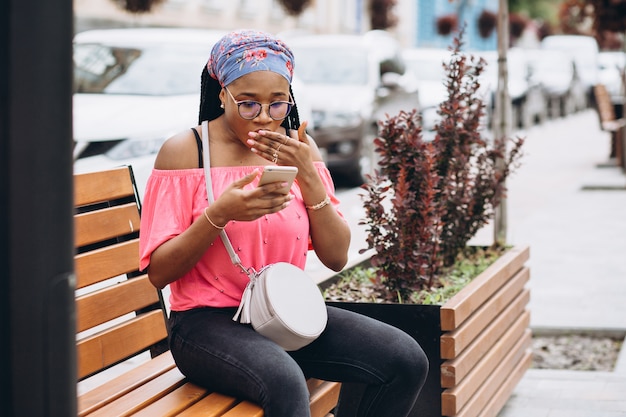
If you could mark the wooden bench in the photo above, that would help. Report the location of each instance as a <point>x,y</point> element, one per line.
<point>123,358</point>
<point>609,123</point>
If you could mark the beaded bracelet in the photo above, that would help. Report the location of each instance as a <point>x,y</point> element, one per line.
<point>211,221</point>
<point>321,204</point>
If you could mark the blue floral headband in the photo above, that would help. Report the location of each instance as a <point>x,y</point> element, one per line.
<point>242,52</point>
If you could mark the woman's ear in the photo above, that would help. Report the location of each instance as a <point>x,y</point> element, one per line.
<point>222,97</point>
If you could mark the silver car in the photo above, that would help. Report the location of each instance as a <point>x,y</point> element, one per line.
<point>353,82</point>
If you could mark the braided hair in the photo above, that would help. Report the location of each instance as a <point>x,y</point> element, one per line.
<point>210,103</point>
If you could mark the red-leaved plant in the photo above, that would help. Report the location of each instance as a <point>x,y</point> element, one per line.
<point>429,198</point>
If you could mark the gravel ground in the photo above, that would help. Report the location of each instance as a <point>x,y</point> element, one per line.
<point>575,352</point>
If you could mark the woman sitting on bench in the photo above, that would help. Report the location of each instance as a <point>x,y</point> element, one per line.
<point>253,122</point>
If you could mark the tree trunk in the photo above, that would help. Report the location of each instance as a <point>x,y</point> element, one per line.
<point>502,114</point>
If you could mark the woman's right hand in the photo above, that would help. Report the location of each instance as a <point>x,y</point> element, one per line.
<point>178,255</point>
<point>238,203</point>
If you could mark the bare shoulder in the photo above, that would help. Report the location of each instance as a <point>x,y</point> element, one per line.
<point>178,152</point>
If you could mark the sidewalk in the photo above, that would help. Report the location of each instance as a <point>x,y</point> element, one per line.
<point>572,213</point>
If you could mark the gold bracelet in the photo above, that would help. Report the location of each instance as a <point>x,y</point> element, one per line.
<point>211,221</point>
<point>321,204</point>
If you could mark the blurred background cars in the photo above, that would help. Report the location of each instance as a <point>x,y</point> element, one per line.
<point>134,88</point>
<point>352,82</point>
<point>426,65</point>
<point>584,50</point>
<point>528,101</point>
<point>556,72</point>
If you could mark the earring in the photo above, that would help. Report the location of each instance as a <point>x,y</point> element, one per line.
<point>221,105</point>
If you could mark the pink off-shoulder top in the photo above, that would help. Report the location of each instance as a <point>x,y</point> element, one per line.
<point>173,199</point>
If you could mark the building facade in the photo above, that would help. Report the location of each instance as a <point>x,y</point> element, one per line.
<point>416,18</point>
<point>466,12</point>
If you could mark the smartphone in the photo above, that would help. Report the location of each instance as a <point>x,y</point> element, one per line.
<point>279,174</point>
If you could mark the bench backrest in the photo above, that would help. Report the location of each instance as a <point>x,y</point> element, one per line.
<point>119,313</point>
<point>604,104</point>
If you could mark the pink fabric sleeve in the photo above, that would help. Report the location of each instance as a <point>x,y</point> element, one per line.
<point>167,209</point>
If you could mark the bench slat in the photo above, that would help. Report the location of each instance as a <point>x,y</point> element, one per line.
<point>213,405</point>
<point>95,187</point>
<point>245,409</point>
<point>175,402</point>
<point>109,303</point>
<point>142,396</point>
<point>100,225</point>
<point>102,264</point>
<point>123,384</point>
<point>118,343</point>
<point>324,398</point>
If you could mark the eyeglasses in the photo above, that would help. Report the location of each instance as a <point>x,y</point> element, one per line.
<point>249,109</point>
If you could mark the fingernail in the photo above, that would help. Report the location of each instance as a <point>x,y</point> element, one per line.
<point>250,142</point>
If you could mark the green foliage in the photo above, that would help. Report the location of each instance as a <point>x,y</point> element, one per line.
<point>361,283</point>
<point>469,264</point>
<point>545,10</point>
<point>430,198</point>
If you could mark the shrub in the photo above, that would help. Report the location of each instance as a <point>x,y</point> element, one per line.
<point>428,199</point>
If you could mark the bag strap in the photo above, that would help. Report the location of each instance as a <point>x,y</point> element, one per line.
<point>244,306</point>
<point>209,190</point>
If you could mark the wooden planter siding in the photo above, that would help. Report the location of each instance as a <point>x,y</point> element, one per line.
<point>480,339</point>
<point>486,340</point>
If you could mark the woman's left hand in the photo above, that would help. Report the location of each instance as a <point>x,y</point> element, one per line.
<point>282,149</point>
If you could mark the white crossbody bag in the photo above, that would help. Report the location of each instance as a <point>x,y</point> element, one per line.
<point>281,301</point>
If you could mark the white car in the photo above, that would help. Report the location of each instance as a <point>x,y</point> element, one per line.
<point>585,51</point>
<point>556,71</point>
<point>136,87</point>
<point>528,100</point>
<point>426,65</point>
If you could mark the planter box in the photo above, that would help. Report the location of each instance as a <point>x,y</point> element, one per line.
<point>478,343</point>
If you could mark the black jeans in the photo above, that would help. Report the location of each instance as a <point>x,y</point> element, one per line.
<point>215,352</point>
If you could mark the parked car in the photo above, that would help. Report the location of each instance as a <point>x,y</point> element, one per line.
<point>426,65</point>
<point>136,87</point>
<point>584,50</point>
<point>353,82</point>
<point>556,72</point>
<point>528,101</point>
